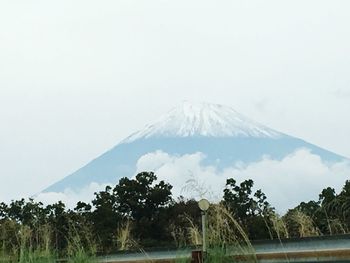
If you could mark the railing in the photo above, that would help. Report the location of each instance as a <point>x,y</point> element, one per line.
<point>312,249</point>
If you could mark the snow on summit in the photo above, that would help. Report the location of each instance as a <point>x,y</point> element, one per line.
<point>203,119</point>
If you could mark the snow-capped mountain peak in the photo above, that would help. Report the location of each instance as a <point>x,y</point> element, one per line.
<point>203,120</point>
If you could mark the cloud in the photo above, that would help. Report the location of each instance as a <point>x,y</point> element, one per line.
<point>298,177</point>
<point>342,93</point>
<point>70,197</point>
<point>186,173</point>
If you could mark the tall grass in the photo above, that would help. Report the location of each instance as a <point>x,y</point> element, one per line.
<point>226,239</point>
<point>81,245</point>
<point>279,226</point>
<point>25,246</point>
<point>194,234</point>
<point>338,227</point>
<point>179,236</point>
<point>22,244</point>
<point>305,224</point>
<point>124,238</point>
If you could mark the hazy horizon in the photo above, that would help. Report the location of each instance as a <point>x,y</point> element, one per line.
<point>78,77</point>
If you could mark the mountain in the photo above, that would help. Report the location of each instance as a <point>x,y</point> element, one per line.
<point>223,137</point>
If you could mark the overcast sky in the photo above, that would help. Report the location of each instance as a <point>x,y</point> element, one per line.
<point>76,77</point>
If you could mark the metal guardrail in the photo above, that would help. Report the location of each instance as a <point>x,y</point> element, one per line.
<point>324,249</point>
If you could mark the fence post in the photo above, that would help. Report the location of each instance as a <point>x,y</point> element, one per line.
<point>197,256</point>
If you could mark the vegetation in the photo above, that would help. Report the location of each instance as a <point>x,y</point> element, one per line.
<point>141,212</point>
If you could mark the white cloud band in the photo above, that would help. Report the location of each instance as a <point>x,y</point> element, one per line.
<point>298,177</point>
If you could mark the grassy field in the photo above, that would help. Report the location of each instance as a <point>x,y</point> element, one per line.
<point>28,246</point>
<point>224,236</point>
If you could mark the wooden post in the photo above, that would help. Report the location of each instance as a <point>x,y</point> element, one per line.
<point>197,256</point>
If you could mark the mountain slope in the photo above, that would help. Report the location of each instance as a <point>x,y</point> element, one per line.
<point>223,135</point>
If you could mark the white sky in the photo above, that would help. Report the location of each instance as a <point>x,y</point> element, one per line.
<point>76,77</point>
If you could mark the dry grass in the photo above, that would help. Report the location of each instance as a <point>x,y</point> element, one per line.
<point>27,245</point>
<point>179,236</point>
<point>225,231</point>
<point>225,236</point>
<point>124,239</point>
<point>194,234</point>
<point>305,224</point>
<point>81,245</point>
<point>279,226</point>
<point>337,227</point>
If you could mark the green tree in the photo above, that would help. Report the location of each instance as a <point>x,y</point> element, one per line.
<point>144,201</point>
<point>105,217</point>
<point>251,210</point>
<point>57,218</point>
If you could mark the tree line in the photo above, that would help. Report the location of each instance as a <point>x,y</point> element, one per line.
<point>141,212</point>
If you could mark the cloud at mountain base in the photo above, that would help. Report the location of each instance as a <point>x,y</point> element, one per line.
<point>70,197</point>
<point>300,176</point>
